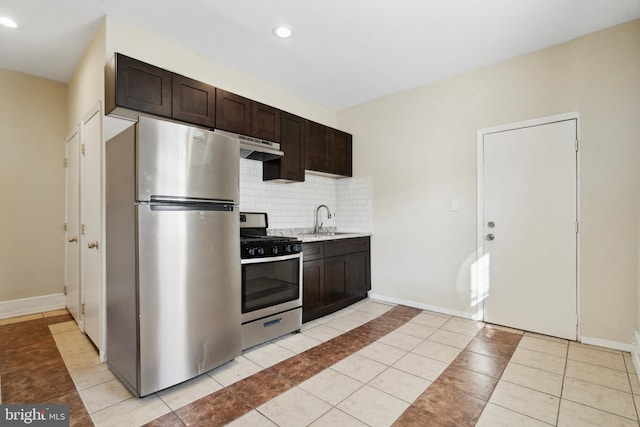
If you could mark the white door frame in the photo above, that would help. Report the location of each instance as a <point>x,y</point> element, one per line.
<point>480,201</point>
<point>75,133</point>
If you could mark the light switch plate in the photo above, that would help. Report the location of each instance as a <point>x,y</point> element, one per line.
<point>453,205</point>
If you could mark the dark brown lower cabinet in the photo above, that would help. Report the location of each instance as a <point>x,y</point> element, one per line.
<point>336,273</point>
<point>313,285</point>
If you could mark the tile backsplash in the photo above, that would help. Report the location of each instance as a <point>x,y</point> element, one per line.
<point>293,205</point>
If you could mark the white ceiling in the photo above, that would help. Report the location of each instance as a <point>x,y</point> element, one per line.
<point>343,52</point>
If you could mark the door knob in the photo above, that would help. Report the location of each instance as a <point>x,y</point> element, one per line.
<point>490,237</point>
<point>93,245</point>
<point>73,239</point>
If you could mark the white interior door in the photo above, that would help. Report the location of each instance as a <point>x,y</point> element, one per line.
<point>90,242</point>
<point>529,224</point>
<point>72,226</point>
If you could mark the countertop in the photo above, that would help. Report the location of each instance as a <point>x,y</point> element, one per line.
<point>307,235</point>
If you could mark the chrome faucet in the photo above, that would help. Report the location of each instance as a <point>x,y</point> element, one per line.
<point>316,227</point>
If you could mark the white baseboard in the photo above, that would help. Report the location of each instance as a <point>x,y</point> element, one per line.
<point>33,305</point>
<point>635,352</point>
<point>423,306</point>
<point>614,345</point>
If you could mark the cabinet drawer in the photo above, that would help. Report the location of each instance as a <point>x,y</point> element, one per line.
<point>346,246</point>
<point>311,251</point>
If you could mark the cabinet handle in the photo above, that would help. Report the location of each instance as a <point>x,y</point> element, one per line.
<point>73,239</point>
<point>93,245</point>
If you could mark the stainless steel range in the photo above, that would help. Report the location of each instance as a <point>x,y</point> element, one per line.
<point>271,282</point>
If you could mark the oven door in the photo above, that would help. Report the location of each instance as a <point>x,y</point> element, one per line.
<point>271,285</point>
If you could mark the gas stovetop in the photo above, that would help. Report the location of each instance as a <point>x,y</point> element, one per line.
<point>255,243</point>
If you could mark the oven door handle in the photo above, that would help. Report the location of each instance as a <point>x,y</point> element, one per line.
<point>272,258</point>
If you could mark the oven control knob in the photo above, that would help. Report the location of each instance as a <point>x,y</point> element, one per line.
<point>251,251</point>
<point>274,250</point>
<point>287,248</point>
<point>260,251</point>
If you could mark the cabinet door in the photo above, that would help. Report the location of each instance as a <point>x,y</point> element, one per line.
<point>335,279</point>
<point>339,153</point>
<point>316,146</point>
<point>357,274</point>
<point>291,166</point>
<point>233,112</point>
<point>312,288</point>
<point>193,101</point>
<point>138,86</point>
<point>265,122</point>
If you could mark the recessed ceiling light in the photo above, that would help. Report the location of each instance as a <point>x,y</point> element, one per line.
<point>283,32</point>
<point>7,22</point>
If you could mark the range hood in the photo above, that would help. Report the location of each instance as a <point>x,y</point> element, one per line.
<point>255,148</point>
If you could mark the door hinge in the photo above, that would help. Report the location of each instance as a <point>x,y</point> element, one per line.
<point>66,163</point>
<point>66,226</point>
<point>577,145</point>
<point>83,150</point>
<point>577,227</point>
<point>82,309</point>
<point>65,289</point>
<point>83,229</point>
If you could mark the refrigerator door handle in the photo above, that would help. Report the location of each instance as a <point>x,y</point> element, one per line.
<point>226,207</point>
<point>155,199</point>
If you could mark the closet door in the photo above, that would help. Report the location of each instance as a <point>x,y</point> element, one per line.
<point>91,244</point>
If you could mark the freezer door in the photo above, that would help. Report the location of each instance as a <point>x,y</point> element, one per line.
<point>189,293</point>
<point>185,162</point>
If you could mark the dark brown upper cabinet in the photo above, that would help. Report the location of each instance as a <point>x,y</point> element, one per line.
<point>265,122</point>
<point>135,85</point>
<point>339,157</point>
<point>291,166</point>
<point>327,150</point>
<point>233,112</point>
<point>316,146</point>
<point>194,101</point>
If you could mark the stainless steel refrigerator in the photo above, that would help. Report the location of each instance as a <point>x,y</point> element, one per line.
<point>172,253</point>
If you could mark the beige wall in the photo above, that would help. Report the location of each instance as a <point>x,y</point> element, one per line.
<point>420,148</point>
<point>33,113</point>
<point>86,86</point>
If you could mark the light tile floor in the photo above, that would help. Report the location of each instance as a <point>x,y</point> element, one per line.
<point>548,381</point>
